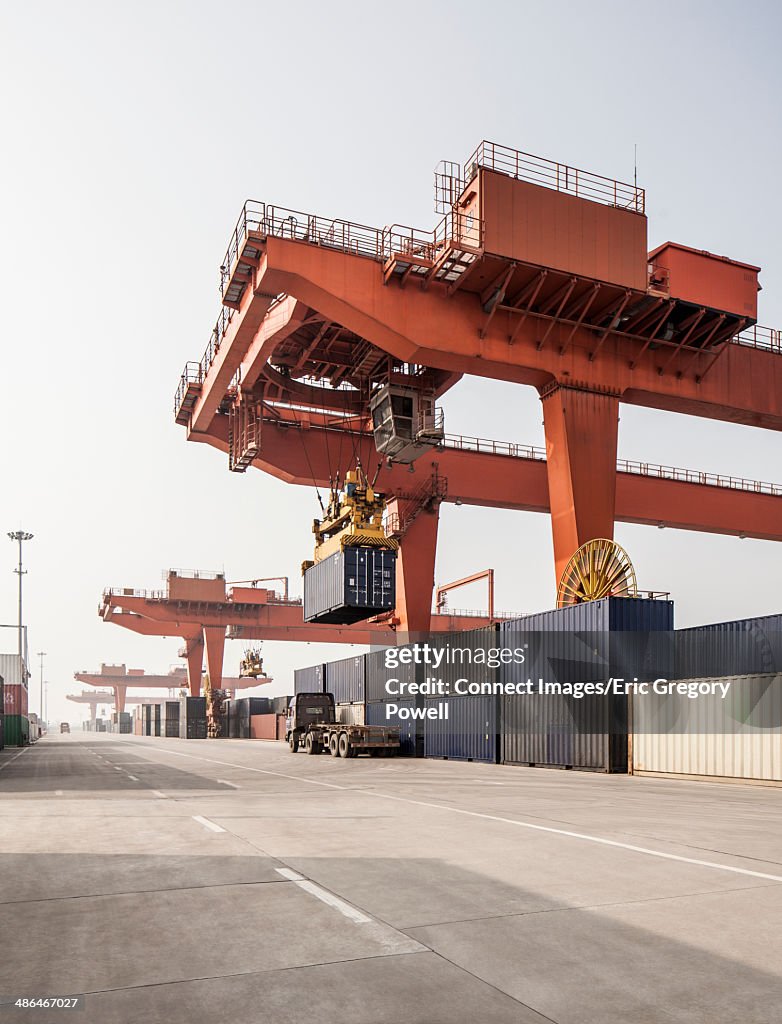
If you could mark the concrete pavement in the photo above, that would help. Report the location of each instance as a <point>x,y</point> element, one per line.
<point>203,881</point>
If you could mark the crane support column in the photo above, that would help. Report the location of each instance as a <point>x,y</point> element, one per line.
<point>581,437</point>
<point>214,642</point>
<point>119,697</point>
<point>415,572</point>
<point>195,661</point>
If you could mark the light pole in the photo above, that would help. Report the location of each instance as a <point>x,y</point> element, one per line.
<point>20,536</point>
<point>41,655</point>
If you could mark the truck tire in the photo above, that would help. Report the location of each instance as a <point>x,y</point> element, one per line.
<point>344,745</point>
<point>310,744</point>
<point>293,742</point>
<point>334,745</point>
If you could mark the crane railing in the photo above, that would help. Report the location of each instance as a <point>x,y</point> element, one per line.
<point>760,337</point>
<point>554,175</point>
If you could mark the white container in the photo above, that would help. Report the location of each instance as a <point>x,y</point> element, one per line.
<point>350,714</point>
<point>711,737</point>
<point>13,670</point>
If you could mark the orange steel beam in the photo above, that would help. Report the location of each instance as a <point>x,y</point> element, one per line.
<point>203,621</point>
<point>430,328</point>
<point>503,481</point>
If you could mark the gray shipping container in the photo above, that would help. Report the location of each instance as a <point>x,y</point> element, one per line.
<point>617,636</point>
<point>567,732</point>
<point>351,585</point>
<point>737,648</point>
<point>346,680</point>
<point>739,737</point>
<point>468,734</point>
<point>309,680</point>
<point>377,675</point>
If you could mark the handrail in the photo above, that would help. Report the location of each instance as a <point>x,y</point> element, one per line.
<point>454,229</point>
<point>554,175</point>
<point>694,476</point>
<point>760,337</point>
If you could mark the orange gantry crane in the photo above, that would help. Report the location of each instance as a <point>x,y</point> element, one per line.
<point>331,334</point>
<point>119,678</point>
<point>200,607</point>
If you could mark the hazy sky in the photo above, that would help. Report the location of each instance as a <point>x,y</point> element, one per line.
<point>132,134</point>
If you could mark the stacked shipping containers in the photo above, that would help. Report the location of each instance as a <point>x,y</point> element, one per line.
<point>616,637</point>
<point>470,732</point>
<point>16,725</point>
<point>378,699</point>
<point>738,737</point>
<point>346,680</point>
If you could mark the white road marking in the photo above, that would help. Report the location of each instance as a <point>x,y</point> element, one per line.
<point>225,782</point>
<point>260,771</point>
<point>587,838</point>
<point>117,768</point>
<point>58,792</point>
<point>507,821</point>
<point>159,795</point>
<point>10,759</point>
<point>324,896</point>
<point>132,777</point>
<point>207,823</point>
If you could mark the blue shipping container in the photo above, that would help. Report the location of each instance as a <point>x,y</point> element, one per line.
<point>345,679</point>
<point>351,585</point>
<point>309,680</point>
<point>468,734</point>
<point>743,647</point>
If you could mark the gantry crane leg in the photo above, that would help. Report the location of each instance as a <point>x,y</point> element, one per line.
<point>581,438</point>
<point>415,573</point>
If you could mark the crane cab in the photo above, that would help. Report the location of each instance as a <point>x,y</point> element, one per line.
<point>406,422</point>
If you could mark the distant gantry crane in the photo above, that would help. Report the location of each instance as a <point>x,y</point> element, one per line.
<point>335,340</point>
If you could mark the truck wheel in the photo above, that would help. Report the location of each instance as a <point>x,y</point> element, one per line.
<point>334,745</point>
<point>310,744</point>
<point>293,742</point>
<point>375,753</point>
<point>344,745</point>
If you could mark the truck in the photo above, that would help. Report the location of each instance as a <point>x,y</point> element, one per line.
<point>312,724</point>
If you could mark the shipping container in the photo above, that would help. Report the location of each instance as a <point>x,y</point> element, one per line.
<point>309,680</point>
<point>157,720</point>
<point>15,699</point>
<point>280,704</point>
<point>345,679</point>
<point>16,730</point>
<point>410,730</point>
<point>194,729</point>
<point>350,714</point>
<point>263,727</point>
<point>737,648</point>
<point>377,675</point>
<point>2,731</point>
<point>469,733</point>
<point>192,718</point>
<point>13,670</point>
<point>627,638</point>
<point>622,637</point>
<point>351,585</point>
<point>738,737</point>
<point>562,731</point>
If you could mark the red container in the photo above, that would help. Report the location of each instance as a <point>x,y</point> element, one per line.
<point>15,699</point>
<point>263,727</point>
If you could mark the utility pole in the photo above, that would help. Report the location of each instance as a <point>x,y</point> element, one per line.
<point>41,655</point>
<point>20,536</point>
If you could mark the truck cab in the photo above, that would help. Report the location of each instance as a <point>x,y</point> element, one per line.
<point>306,710</point>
